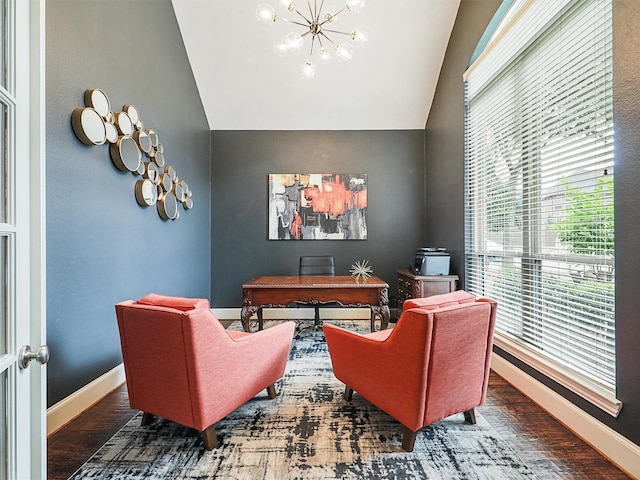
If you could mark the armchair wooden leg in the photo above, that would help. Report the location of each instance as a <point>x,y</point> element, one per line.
<point>470,416</point>
<point>409,439</point>
<point>271,391</point>
<point>210,438</point>
<point>147,418</point>
<point>348,393</point>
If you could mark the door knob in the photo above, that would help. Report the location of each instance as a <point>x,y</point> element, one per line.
<point>26,355</point>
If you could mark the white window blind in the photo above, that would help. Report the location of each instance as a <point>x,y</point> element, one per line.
<point>539,172</point>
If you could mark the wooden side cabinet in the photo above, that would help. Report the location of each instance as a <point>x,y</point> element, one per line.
<point>418,286</point>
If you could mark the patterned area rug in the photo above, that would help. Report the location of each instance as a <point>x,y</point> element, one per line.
<point>307,432</point>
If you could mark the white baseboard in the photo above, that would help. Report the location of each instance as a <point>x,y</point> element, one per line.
<point>70,407</point>
<point>619,450</point>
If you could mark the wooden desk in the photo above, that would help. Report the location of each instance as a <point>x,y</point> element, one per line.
<point>281,292</point>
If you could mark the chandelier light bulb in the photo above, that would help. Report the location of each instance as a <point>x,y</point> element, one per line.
<point>359,36</point>
<point>325,55</point>
<point>308,71</point>
<point>344,52</point>
<point>294,43</point>
<point>356,5</point>
<point>265,14</point>
<point>281,49</point>
<point>288,5</point>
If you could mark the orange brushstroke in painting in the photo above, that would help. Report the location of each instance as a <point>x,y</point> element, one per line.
<point>333,198</point>
<point>296,226</point>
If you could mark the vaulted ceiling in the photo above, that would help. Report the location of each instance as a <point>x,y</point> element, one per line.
<point>244,85</point>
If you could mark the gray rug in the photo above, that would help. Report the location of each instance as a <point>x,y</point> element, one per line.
<point>307,432</point>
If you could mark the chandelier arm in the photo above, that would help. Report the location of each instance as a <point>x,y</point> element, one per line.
<point>328,39</point>
<point>336,31</point>
<point>313,39</point>
<point>294,22</point>
<point>313,17</point>
<point>305,18</point>
<point>333,16</point>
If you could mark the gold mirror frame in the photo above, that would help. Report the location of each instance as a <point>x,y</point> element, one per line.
<point>146,193</point>
<point>168,206</point>
<point>125,154</point>
<point>88,126</point>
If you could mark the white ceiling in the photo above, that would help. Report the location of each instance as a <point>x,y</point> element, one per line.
<point>389,85</point>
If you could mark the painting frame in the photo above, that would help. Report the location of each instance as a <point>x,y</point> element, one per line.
<point>317,206</point>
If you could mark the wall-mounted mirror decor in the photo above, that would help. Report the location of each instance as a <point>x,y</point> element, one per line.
<point>132,149</point>
<point>89,126</point>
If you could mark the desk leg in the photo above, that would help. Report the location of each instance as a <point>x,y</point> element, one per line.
<point>382,312</point>
<point>245,314</point>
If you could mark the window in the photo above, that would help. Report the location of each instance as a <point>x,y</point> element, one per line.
<point>539,166</point>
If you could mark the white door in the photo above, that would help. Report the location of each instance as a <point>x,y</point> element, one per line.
<point>22,388</point>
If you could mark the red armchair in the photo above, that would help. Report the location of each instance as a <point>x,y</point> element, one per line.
<point>433,364</point>
<point>181,364</point>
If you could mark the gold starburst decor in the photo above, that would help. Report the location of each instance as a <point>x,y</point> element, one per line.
<point>361,270</point>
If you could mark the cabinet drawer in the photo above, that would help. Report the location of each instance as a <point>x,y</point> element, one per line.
<point>405,283</point>
<point>404,294</point>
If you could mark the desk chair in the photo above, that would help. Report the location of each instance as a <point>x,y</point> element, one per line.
<point>315,265</point>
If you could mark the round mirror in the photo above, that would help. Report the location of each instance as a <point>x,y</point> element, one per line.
<point>112,132</point>
<point>153,136</point>
<point>132,112</point>
<point>98,100</point>
<point>152,172</point>
<point>139,125</point>
<point>168,206</point>
<point>125,154</point>
<point>166,181</point>
<point>141,169</point>
<point>160,148</point>
<point>123,122</point>
<point>159,159</point>
<point>146,193</point>
<point>178,191</point>
<point>171,172</point>
<point>88,126</point>
<point>143,141</point>
<point>188,203</point>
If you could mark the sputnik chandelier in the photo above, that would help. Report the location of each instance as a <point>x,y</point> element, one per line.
<point>318,25</point>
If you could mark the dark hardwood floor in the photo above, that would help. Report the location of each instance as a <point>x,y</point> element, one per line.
<point>538,438</point>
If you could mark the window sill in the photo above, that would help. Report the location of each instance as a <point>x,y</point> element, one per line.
<point>599,396</point>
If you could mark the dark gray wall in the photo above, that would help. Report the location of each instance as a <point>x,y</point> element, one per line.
<point>444,156</point>
<point>102,247</point>
<point>626,108</point>
<point>241,163</point>
<point>444,134</point>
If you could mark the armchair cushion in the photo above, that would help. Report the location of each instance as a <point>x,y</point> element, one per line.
<point>438,301</point>
<point>179,303</point>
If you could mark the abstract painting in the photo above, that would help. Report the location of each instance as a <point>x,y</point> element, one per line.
<point>317,206</point>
